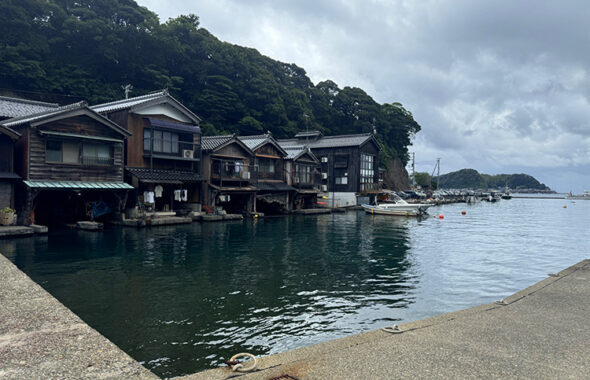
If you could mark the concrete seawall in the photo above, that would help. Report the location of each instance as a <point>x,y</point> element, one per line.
<point>42,339</point>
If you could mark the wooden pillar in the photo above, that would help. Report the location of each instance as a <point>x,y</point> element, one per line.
<point>28,213</point>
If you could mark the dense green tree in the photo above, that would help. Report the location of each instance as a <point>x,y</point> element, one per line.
<point>89,48</point>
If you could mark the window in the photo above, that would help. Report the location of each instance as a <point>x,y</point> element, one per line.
<point>67,152</point>
<point>268,168</point>
<point>53,151</point>
<point>367,169</point>
<point>97,154</point>
<point>164,142</point>
<point>341,180</point>
<point>302,173</point>
<point>70,152</point>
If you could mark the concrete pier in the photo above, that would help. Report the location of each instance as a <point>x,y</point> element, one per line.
<point>16,231</point>
<point>42,339</point>
<point>541,332</point>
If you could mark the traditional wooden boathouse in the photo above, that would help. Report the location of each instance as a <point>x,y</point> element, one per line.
<point>71,161</point>
<point>349,165</point>
<point>302,170</point>
<point>163,153</point>
<point>274,194</point>
<point>227,167</point>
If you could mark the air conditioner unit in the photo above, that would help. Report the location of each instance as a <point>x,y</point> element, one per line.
<point>324,188</point>
<point>324,175</point>
<point>187,153</point>
<point>324,159</point>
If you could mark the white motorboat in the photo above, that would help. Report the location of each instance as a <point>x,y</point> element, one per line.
<point>397,206</point>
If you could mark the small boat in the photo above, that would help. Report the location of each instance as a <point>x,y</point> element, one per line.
<point>506,196</point>
<point>397,206</point>
<point>579,197</point>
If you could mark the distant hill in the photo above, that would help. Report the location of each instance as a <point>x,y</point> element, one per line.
<point>472,179</point>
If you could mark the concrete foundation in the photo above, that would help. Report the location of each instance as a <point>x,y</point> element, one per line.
<point>15,231</point>
<point>89,226</point>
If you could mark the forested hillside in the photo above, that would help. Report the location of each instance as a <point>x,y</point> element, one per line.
<point>89,48</point>
<point>471,179</point>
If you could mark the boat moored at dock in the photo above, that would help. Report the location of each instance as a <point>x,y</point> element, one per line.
<point>397,207</point>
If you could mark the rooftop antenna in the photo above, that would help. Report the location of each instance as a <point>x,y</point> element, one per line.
<point>127,88</point>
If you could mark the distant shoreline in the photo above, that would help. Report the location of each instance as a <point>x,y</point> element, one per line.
<point>539,195</point>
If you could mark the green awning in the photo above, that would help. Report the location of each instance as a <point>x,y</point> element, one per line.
<point>78,185</point>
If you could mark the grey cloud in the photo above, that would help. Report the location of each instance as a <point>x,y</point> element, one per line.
<point>493,83</point>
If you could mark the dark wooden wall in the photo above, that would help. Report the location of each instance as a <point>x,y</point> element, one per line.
<point>353,167</point>
<point>39,169</point>
<point>6,154</point>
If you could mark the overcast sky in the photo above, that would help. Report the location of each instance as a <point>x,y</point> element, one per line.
<point>497,86</point>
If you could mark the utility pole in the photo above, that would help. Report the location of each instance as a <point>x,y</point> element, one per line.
<point>438,174</point>
<point>413,170</point>
<point>127,88</point>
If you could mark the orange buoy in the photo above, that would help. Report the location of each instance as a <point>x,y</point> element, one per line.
<point>441,216</point>
<point>463,212</point>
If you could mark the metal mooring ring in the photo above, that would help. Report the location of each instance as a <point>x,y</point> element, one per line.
<point>240,367</point>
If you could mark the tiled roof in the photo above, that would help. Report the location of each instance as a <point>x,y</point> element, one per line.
<point>294,152</point>
<point>309,134</point>
<point>256,141</point>
<point>329,141</point>
<point>128,103</point>
<point>156,97</point>
<point>164,176</point>
<point>213,142</point>
<point>15,107</point>
<point>42,115</point>
<point>82,107</point>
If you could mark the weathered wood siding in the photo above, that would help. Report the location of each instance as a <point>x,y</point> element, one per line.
<point>233,150</point>
<point>39,169</point>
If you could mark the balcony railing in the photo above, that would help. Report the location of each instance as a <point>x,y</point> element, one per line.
<point>268,175</point>
<point>306,180</point>
<point>233,171</point>
<point>374,187</point>
<point>93,160</point>
<point>180,149</point>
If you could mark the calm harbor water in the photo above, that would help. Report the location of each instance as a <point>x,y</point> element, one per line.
<point>180,299</point>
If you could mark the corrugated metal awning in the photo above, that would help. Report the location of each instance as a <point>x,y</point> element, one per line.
<point>79,136</point>
<point>235,189</point>
<point>78,185</point>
